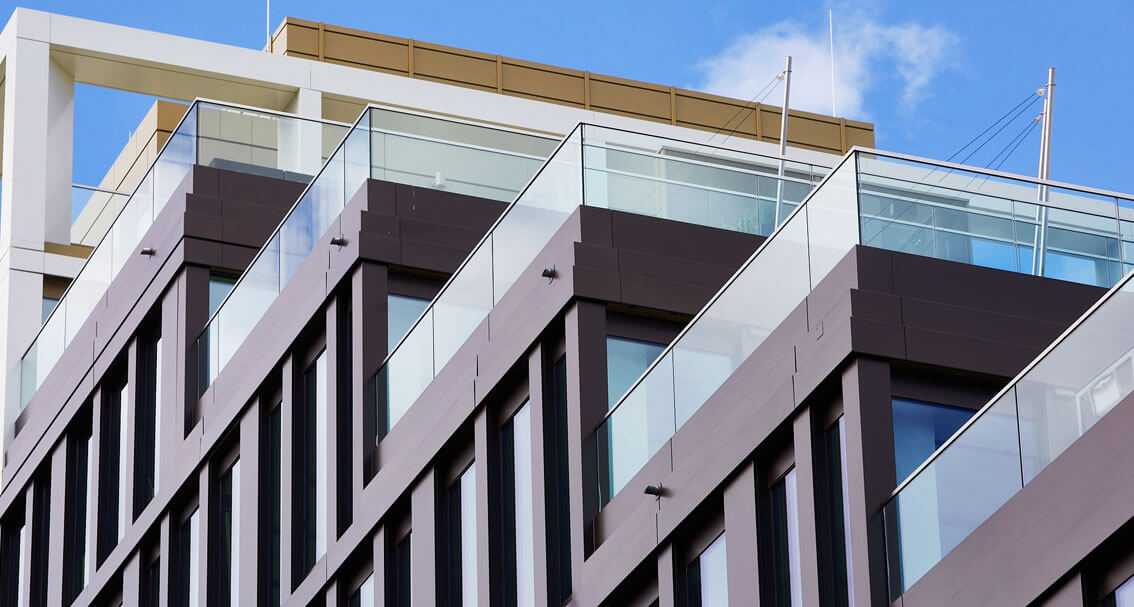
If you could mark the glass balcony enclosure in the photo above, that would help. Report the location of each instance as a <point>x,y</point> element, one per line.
<point>210,134</point>
<point>599,167</point>
<point>384,144</point>
<point>887,201</point>
<point>1061,395</point>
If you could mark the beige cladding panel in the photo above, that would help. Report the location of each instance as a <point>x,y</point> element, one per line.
<point>702,112</point>
<point>534,80</point>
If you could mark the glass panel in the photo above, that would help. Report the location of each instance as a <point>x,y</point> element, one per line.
<point>87,289</point>
<point>132,223</point>
<point>175,160</point>
<point>712,576</point>
<point>518,440</point>
<point>219,286</point>
<point>311,216</point>
<point>406,373</point>
<point>626,360</point>
<point>919,429</point>
<point>1078,382</point>
<point>246,304</point>
<point>635,431</point>
<point>788,587</point>
<point>401,312</point>
<point>959,490</point>
<point>464,303</point>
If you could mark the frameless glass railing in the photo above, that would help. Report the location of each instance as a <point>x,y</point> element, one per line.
<point>108,202</point>
<point>875,199</point>
<point>593,166</point>
<point>391,145</point>
<point>210,134</point>
<point>1053,402</point>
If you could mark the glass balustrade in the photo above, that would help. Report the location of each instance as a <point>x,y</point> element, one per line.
<point>389,145</point>
<point>210,134</point>
<point>1061,395</point>
<point>891,202</point>
<point>605,168</point>
<point>108,203</point>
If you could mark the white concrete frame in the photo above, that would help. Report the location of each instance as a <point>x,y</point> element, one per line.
<point>43,55</point>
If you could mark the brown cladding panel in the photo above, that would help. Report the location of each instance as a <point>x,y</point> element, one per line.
<point>295,37</point>
<point>698,110</point>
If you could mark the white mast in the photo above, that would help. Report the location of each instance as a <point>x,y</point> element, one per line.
<point>831,44</point>
<point>1044,171</point>
<point>783,138</point>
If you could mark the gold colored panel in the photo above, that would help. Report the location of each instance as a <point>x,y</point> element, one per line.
<point>368,51</point>
<point>636,98</point>
<point>70,250</point>
<point>477,70</point>
<point>859,136</point>
<point>712,113</point>
<point>531,79</point>
<point>298,38</point>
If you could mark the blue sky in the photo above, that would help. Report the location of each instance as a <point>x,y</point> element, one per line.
<point>929,75</point>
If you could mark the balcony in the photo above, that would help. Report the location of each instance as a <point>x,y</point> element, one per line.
<point>210,134</point>
<point>888,201</point>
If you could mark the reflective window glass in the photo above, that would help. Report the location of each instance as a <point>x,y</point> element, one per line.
<point>626,360</point>
<point>919,429</point>
<point>401,312</point>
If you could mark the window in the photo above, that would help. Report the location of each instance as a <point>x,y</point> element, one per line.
<point>228,537</point>
<point>219,286</point>
<point>311,442</point>
<point>707,576</point>
<point>1123,596</point>
<point>837,561</point>
<point>271,514</point>
<point>626,360</point>
<point>558,484</point>
<point>364,596</point>
<point>49,304</point>
<point>13,559</point>
<point>787,584</point>
<point>78,534</point>
<point>113,476</point>
<point>460,518</point>
<point>919,429</point>
<point>186,550</point>
<point>519,516</point>
<point>148,420</point>
<point>398,579</point>
<point>401,312</point>
<point>149,590</point>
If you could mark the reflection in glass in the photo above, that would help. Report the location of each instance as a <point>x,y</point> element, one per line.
<point>228,567</point>
<point>272,515</point>
<point>919,429</point>
<point>187,546</point>
<point>401,312</point>
<point>219,286</point>
<point>461,521</point>
<point>399,589</point>
<point>626,360</point>
<point>312,482</point>
<point>838,512</point>
<point>519,515</point>
<point>1123,596</point>
<point>787,588</point>
<point>707,577</point>
<point>364,596</point>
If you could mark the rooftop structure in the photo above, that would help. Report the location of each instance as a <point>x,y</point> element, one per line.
<point>371,321</point>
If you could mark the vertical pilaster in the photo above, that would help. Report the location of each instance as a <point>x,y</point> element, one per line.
<point>536,404</point>
<point>741,552</point>
<point>483,526</point>
<point>667,588</point>
<point>132,579</point>
<point>368,345</point>
<point>58,508</point>
<point>869,438</point>
<point>423,540</point>
<point>805,503</point>
<point>249,513</point>
<point>287,479</point>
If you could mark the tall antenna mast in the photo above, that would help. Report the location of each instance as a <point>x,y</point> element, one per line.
<point>1048,91</point>
<point>268,26</point>
<point>831,41</point>
<point>783,138</point>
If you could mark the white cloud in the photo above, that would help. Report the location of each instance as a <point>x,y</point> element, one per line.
<point>864,50</point>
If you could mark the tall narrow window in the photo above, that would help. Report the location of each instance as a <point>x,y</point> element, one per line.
<point>184,591</point>
<point>398,579</point>
<point>707,577</point>
<point>787,584</point>
<point>1123,596</point>
<point>364,595</point>
<point>219,286</point>
<point>401,312</point>
<point>39,538</point>
<point>557,485</point>
<point>271,515</point>
<point>312,482</point>
<point>13,559</point>
<point>519,547</point>
<point>148,421</point>
<point>149,584</point>
<point>840,585</point>
<point>460,527</point>
<point>112,485</point>
<point>228,537</point>
<point>78,545</point>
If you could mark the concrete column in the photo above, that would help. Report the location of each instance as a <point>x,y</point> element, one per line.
<point>423,540</point>
<point>667,588</point>
<point>250,532</point>
<point>301,141</point>
<point>741,526</point>
<point>35,198</point>
<point>805,499</point>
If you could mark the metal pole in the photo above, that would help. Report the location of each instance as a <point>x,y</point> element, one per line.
<point>1044,173</point>
<point>783,139</point>
<point>831,41</point>
<point>268,25</point>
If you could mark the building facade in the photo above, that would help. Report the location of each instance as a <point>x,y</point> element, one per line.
<point>371,321</point>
